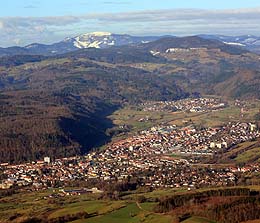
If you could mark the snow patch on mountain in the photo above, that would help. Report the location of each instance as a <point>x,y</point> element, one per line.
<point>233,43</point>
<point>95,39</point>
<point>154,53</point>
<point>81,43</point>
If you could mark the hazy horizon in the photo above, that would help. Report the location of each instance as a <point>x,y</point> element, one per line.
<point>30,21</point>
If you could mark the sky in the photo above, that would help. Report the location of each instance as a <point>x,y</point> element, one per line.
<point>46,21</point>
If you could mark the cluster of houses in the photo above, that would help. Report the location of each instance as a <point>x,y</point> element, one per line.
<point>149,156</point>
<point>191,141</point>
<point>187,105</point>
<point>184,50</point>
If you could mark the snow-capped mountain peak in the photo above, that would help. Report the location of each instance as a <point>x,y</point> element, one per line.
<point>94,39</point>
<point>85,40</point>
<point>105,40</point>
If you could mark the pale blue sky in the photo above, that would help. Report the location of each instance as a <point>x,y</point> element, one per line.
<point>77,7</point>
<point>46,21</point>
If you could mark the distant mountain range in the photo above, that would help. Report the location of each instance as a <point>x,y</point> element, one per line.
<point>105,40</point>
<point>89,40</point>
<point>59,105</point>
<point>249,42</point>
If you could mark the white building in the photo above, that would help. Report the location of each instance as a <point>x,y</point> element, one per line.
<point>47,159</point>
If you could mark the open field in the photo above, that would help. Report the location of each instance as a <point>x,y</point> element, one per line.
<point>19,207</point>
<point>31,204</point>
<point>220,117</point>
<point>129,214</point>
<point>244,153</point>
<point>251,155</point>
<point>131,116</point>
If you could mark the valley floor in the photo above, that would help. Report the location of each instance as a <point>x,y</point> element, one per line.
<point>144,159</point>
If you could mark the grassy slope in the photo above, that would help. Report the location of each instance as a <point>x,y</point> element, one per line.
<point>129,214</point>
<point>249,155</point>
<point>33,204</point>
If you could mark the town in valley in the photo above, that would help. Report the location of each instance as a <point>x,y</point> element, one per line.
<point>163,156</point>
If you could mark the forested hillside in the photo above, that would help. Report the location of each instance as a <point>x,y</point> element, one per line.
<point>58,106</point>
